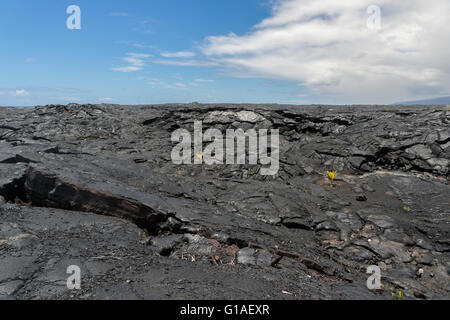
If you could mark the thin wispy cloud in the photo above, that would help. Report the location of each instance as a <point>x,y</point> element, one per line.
<point>136,61</point>
<point>180,85</point>
<point>144,26</point>
<point>204,80</point>
<point>161,84</point>
<point>127,69</point>
<point>179,54</point>
<point>143,46</point>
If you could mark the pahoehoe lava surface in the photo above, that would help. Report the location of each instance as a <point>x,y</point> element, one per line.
<point>94,186</point>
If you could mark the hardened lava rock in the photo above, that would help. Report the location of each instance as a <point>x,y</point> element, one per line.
<point>94,186</point>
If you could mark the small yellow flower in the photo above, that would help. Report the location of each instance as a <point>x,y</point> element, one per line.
<point>407,209</point>
<point>400,294</point>
<point>332,176</point>
<point>199,155</point>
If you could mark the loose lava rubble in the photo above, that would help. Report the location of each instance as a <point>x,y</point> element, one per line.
<point>94,186</point>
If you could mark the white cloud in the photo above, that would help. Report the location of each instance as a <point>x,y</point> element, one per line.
<point>135,60</point>
<point>176,85</point>
<point>327,47</point>
<point>126,69</point>
<point>203,80</point>
<point>20,93</point>
<point>106,99</point>
<point>160,84</point>
<point>180,54</point>
<point>180,85</point>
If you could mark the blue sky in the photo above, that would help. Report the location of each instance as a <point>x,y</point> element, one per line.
<point>52,64</point>
<point>284,51</point>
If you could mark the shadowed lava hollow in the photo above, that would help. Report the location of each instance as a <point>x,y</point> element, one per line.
<point>94,186</point>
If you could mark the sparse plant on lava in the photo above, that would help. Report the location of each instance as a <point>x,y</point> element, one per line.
<point>331,176</point>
